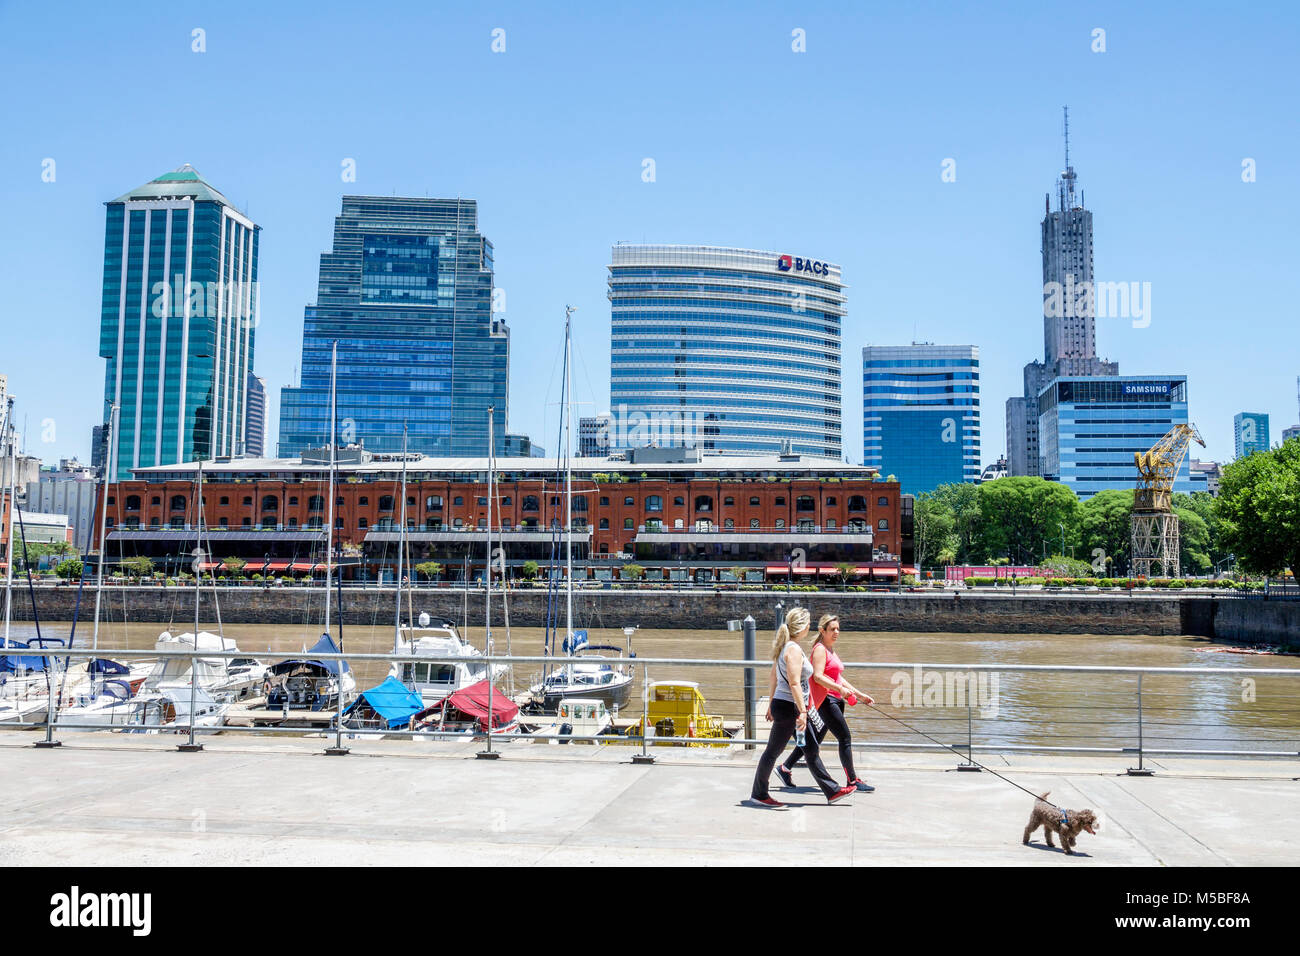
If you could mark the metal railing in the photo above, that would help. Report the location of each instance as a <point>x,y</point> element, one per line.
<point>1122,714</point>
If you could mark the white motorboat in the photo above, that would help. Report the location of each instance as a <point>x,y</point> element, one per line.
<point>434,680</point>
<point>579,717</point>
<point>224,678</point>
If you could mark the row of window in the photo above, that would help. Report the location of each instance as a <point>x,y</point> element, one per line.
<point>435,524</point>
<point>528,502</point>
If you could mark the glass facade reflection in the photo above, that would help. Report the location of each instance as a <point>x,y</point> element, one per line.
<point>176,321</point>
<point>921,413</point>
<point>407,294</point>
<point>1091,426</point>
<point>734,351</point>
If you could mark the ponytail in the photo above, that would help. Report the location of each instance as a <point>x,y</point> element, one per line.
<point>796,621</point>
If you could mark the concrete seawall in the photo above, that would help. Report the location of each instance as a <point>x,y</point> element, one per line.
<point>1251,621</point>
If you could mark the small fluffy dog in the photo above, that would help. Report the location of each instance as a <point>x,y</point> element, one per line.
<point>1065,823</point>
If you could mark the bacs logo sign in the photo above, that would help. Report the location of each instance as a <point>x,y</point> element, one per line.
<point>797,264</point>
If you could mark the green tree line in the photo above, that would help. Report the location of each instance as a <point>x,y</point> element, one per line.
<point>1027,521</point>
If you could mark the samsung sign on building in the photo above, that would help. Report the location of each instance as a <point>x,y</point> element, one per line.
<point>1155,388</point>
<point>795,263</point>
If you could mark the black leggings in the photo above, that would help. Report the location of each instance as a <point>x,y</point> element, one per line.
<point>832,714</point>
<point>784,714</point>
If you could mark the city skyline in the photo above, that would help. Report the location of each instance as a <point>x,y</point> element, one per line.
<point>1207,272</point>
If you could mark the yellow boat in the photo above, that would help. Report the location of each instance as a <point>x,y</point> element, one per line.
<point>677,709</point>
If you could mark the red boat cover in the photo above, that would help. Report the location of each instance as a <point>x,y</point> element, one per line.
<point>473,700</point>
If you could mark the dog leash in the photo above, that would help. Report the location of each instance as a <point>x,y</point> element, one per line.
<point>965,756</point>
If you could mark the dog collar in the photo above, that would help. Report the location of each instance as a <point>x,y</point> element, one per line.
<point>1065,818</point>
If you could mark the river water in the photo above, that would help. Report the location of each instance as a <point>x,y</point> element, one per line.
<point>1192,711</point>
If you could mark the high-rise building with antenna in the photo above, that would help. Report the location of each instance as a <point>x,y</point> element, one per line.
<point>1069,317</point>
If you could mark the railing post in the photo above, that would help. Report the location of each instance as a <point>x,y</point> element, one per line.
<point>190,746</point>
<point>1140,770</point>
<point>970,765</point>
<point>750,632</point>
<point>488,754</point>
<point>644,756</point>
<point>338,750</point>
<point>50,711</point>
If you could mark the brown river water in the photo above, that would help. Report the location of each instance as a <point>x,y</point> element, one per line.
<point>1192,711</point>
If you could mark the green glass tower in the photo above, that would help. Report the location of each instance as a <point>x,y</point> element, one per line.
<point>177,321</point>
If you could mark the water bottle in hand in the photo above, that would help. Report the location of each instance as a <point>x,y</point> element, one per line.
<point>799,737</point>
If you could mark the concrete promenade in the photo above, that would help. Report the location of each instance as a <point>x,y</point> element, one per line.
<point>135,801</point>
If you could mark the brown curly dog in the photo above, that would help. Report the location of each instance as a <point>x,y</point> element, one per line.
<point>1065,823</point>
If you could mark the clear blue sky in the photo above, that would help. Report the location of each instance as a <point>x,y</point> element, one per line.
<point>834,153</point>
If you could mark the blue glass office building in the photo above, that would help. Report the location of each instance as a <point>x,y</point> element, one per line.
<point>1091,426</point>
<point>176,321</point>
<point>921,413</point>
<point>1249,433</point>
<point>407,294</point>
<point>734,351</point>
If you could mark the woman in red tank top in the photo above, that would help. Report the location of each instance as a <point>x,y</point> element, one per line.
<point>830,692</point>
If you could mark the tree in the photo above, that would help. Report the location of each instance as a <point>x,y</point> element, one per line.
<point>632,572</point>
<point>529,570</point>
<point>948,556</point>
<point>234,566</point>
<point>137,567</point>
<point>846,571</point>
<point>430,569</point>
<point>1193,542</point>
<point>1259,509</point>
<point>37,550</point>
<point>1022,516</point>
<point>69,569</point>
<point>1201,503</point>
<point>1106,529</point>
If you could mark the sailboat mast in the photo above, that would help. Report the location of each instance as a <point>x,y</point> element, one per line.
<point>7,433</point>
<point>110,462</point>
<point>401,548</point>
<point>329,532</point>
<point>487,571</point>
<point>568,476</point>
<point>198,537</point>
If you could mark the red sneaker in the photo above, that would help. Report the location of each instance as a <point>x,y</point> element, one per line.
<point>840,794</point>
<point>768,803</point>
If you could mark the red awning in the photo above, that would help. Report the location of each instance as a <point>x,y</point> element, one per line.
<point>277,566</point>
<point>884,572</point>
<point>473,700</point>
<point>828,572</point>
<point>302,566</point>
<point>910,570</point>
<point>209,565</point>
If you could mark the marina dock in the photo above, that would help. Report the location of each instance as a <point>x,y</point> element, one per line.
<point>136,801</point>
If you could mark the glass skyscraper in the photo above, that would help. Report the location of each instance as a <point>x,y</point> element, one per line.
<point>1090,427</point>
<point>921,413</point>
<point>176,321</point>
<point>407,294</point>
<point>733,351</point>
<point>1249,433</point>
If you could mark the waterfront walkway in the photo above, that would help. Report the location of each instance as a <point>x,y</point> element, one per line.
<point>109,799</point>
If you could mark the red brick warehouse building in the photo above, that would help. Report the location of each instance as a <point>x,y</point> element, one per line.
<point>689,517</point>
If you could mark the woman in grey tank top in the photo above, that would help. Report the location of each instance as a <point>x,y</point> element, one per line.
<point>788,691</point>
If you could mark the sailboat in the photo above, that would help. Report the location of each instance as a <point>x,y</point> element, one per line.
<point>584,673</point>
<point>24,679</point>
<point>434,680</point>
<point>307,683</point>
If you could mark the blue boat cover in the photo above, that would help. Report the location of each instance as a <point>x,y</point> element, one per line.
<point>101,665</point>
<point>326,645</point>
<point>12,663</point>
<point>392,700</point>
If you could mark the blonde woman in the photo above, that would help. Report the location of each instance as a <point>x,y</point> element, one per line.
<point>831,690</point>
<point>788,691</point>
